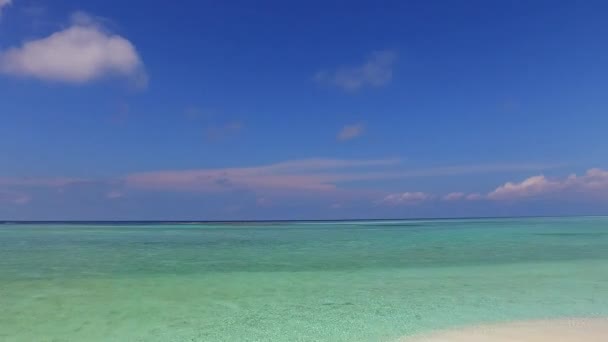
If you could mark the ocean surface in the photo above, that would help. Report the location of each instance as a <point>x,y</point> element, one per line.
<point>321,281</point>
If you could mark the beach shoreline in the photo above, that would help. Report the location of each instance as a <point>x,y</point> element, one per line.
<point>558,330</point>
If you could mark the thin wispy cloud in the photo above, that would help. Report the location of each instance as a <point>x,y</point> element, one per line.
<point>350,132</point>
<point>216,126</point>
<point>304,173</point>
<point>377,71</point>
<point>114,194</point>
<point>199,113</point>
<point>34,10</point>
<point>299,175</point>
<point>454,196</point>
<point>15,198</point>
<point>320,164</point>
<point>83,52</point>
<point>483,168</point>
<point>121,114</point>
<point>53,182</point>
<point>474,197</point>
<point>406,198</point>
<point>4,4</point>
<point>215,132</point>
<point>336,206</point>
<point>447,171</point>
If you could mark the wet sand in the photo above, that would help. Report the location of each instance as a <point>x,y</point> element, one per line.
<point>563,330</point>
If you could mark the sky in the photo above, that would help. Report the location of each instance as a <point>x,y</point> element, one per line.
<point>243,110</point>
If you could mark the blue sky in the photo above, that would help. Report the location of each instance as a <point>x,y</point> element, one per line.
<point>317,109</point>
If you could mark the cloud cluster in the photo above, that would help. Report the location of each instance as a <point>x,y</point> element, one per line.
<point>305,174</point>
<point>83,52</point>
<point>350,132</point>
<point>377,71</point>
<point>322,178</point>
<point>593,182</point>
<point>317,176</point>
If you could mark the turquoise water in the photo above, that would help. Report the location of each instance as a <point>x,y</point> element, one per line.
<point>346,281</point>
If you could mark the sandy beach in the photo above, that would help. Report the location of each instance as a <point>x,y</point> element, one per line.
<point>563,330</point>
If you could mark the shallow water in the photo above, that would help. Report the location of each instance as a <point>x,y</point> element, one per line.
<point>338,281</point>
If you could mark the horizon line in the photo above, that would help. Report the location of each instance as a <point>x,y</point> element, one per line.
<point>6,222</point>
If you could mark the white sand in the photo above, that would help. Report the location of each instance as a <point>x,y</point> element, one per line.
<point>565,330</point>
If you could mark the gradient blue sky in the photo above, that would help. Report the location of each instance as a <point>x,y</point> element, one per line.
<point>302,110</point>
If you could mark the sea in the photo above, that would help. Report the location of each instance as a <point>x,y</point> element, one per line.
<point>295,281</point>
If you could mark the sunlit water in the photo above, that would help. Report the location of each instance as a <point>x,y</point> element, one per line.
<point>347,281</point>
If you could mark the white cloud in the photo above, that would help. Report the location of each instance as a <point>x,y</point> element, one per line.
<point>350,132</point>
<point>474,197</point>
<point>593,182</point>
<point>3,4</point>
<point>81,53</point>
<point>406,198</point>
<point>377,71</point>
<point>529,187</point>
<point>454,196</point>
<point>459,196</point>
